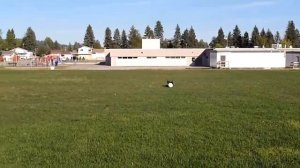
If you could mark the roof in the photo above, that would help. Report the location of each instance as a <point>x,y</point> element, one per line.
<point>256,50</point>
<point>154,53</point>
<point>7,52</point>
<point>98,50</point>
<point>60,52</point>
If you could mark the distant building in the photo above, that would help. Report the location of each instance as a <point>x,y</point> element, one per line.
<point>17,52</point>
<point>88,53</point>
<point>152,55</point>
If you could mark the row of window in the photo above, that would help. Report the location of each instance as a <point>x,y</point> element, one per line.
<point>151,57</point>
<point>127,57</point>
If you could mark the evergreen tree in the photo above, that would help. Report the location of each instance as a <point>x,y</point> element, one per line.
<point>213,43</point>
<point>298,39</point>
<point>229,40</point>
<point>149,34</point>
<point>255,39</point>
<point>277,38</point>
<point>108,42</point>
<point>11,39</point>
<point>185,43</point>
<point>1,40</point>
<point>70,47</point>
<point>177,37</point>
<point>236,37</point>
<point>270,39</point>
<point>117,39</point>
<point>193,42</point>
<point>263,38</point>
<point>159,31</point>
<point>291,34</point>
<point>43,50</point>
<point>76,46</point>
<point>49,42</point>
<point>135,39</point>
<point>202,44</point>
<point>124,40</point>
<point>29,40</point>
<point>56,45</point>
<point>246,40</point>
<point>97,45</point>
<point>89,38</point>
<point>220,40</point>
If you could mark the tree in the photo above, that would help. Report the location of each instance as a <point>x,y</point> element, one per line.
<point>270,39</point>
<point>76,46</point>
<point>277,38</point>
<point>229,40</point>
<point>159,31</point>
<point>185,43</point>
<point>149,34</point>
<point>97,45</point>
<point>291,34</point>
<point>108,42</point>
<point>56,45</point>
<point>124,43</point>
<point>49,42</point>
<point>89,38</point>
<point>246,40</point>
<point>11,39</point>
<point>220,39</point>
<point>298,39</point>
<point>255,38</point>
<point>177,37</point>
<point>263,38</point>
<point>192,39</point>
<point>213,42</point>
<point>202,44</point>
<point>236,37</point>
<point>43,49</point>
<point>70,47</point>
<point>29,40</point>
<point>135,39</point>
<point>117,42</point>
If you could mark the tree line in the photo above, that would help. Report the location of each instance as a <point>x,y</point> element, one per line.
<point>185,39</point>
<point>258,38</point>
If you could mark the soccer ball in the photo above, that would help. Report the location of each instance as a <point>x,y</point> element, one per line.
<point>170,85</point>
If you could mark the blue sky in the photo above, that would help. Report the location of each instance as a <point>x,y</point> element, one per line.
<point>66,20</point>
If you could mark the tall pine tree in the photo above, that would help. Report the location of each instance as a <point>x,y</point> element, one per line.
<point>117,39</point>
<point>135,39</point>
<point>29,40</point>
<point>263,38</point>
<point>277,38</point>
<point>11,39</point>
<point>89,38</point>
<point>237,37</point>
<point>291,34</point>
<point>124,39</point>
<point>108,42</point>
<point>193,42</point>
<point>246,40</point>
<point>97,45</point>
<point>177,37</point>
<point>220,40</point>
<point>159,31</point>
<point>229,40</point>
<point>255,38</point>
<point>185,43</point>
<point>149,34</point>
<point>270,39</point>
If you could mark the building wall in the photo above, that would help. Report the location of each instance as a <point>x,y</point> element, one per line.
<point>251,59</point>
<point>151,61</point>
<point>151,44</point>
<point>291,57</point>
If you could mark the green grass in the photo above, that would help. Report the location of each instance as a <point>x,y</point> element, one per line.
<point>128,119</point>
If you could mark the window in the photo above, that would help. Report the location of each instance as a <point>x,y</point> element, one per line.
<point>175,57</point>
<point>151,57</point>
<point>81,50</point>
<point>127,57</point>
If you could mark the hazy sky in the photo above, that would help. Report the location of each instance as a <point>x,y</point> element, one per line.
<point>66,20</point>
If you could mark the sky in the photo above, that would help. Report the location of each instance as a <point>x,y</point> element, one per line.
<point>66,20</point>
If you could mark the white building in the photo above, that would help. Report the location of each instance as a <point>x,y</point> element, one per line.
<point>246,58</point>
<point>152,55</point>
<point>88,53</point>
<point>147,57</point>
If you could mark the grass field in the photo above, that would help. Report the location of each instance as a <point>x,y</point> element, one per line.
<point>128,119</point>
